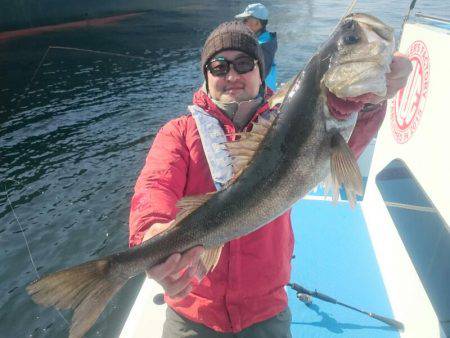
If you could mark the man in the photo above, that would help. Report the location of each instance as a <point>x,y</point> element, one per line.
<point>256,16</point>
<point>244,295</point>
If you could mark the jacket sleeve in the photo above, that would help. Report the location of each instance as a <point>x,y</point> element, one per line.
<point>161,182</point>
<point>367,125</point>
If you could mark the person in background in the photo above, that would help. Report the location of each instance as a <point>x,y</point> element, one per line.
<point>256,16</point>
<point>244,295</point>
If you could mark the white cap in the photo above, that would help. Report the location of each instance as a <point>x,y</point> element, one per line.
<point>258,11</point>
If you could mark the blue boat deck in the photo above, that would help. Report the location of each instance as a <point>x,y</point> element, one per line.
<point>334,254</point>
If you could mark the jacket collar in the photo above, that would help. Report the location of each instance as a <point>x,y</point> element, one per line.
<point>202,100</point>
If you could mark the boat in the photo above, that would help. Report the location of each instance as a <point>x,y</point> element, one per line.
<point>21,15</point>
<point>406,204</point>
<point>388,257</point>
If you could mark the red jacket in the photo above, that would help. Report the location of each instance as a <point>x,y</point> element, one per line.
<point>247,285</point>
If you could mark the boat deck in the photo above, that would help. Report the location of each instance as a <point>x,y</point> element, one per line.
<point>334,254</point>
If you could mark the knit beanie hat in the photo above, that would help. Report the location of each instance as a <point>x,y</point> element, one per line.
<point>233,35</point>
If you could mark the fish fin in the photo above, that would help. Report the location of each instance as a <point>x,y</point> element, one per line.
<point>85,288</point>
<point>210,257</point>
<point>188,204</point>
<point>280,94</point>
<point>344,169</point>
<point>328,185</point>
<point>244,148</point>
<point>193,202</point>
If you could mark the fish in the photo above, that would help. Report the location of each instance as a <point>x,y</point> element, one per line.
<point>286,154</point>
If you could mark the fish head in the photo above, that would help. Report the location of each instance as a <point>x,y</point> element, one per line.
<point>361,57</point>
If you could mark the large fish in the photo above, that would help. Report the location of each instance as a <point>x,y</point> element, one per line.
<point>276,164</point>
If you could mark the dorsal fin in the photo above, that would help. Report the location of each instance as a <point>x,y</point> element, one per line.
<point>241,152</point>
<point>278,97</point>
<point>244,148</point>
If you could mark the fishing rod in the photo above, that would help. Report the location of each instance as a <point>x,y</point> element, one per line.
<point>405,18</point>
<point>411,7</point>
<point>306,295</point>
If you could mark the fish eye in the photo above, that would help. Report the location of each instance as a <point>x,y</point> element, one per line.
<point>351,39</point>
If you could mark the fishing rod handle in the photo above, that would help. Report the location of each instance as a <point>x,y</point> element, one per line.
<point>324,297</point>
<point>389,321</point>
<point>301,289</point>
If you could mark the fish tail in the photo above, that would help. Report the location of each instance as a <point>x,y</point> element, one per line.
<point>85,288</point>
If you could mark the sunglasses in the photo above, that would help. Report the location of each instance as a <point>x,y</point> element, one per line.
<point>219,66</point>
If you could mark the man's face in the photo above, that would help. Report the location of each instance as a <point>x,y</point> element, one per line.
<point>253,23</point>
<point>234,87</point>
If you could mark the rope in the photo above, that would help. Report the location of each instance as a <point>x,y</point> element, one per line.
<point>410,207</point>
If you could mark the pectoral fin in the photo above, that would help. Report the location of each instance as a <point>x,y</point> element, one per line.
<point>344,170</point>
<point>210,258</point>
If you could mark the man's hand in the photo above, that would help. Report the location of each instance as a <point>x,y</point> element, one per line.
<point>396,79</point>
<point>401,67</point>
<point>176,274</point>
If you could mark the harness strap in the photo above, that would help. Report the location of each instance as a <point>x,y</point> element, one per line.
<point>212,137</point>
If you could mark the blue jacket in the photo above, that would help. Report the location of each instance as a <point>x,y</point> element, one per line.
<point>269,45</point>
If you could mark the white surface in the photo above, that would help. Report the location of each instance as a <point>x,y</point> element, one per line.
<point>146,319</point>
<point>426,154</point>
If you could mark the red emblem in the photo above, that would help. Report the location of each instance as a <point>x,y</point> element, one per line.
<point>408,105</point>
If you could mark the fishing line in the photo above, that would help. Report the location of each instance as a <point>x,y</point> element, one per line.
<point>28,246</point>
<point>41,62</point>
<point>350,8</point>
<point>347,12</point>
<point>22,231</point>
<point>100,52</point>
<point>38,67</point>
<point>27,88</point>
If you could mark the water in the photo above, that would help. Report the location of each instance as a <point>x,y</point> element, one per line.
<point>74,140</point>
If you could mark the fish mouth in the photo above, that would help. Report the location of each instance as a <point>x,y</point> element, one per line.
<point>342,108</point>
